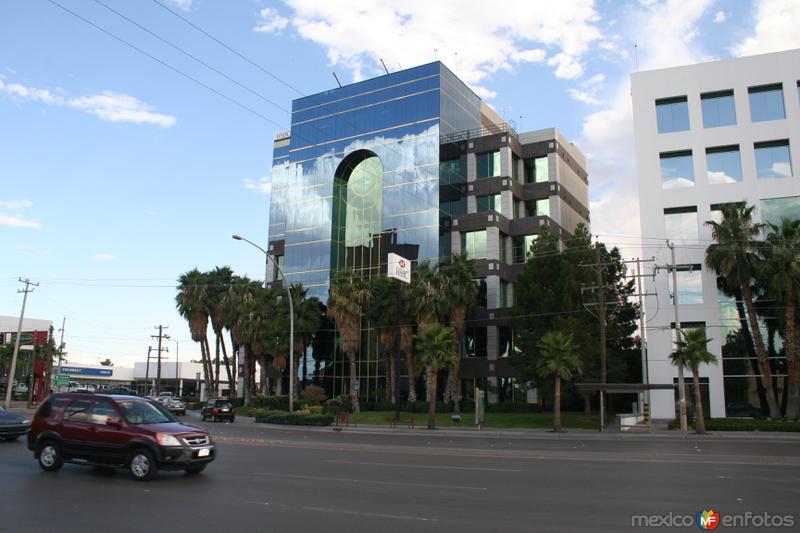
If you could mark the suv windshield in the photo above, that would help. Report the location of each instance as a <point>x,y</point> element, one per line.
<point>223,404</point>
<point>137,412</point>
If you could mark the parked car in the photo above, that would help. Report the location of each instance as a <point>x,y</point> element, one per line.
<point>218,409</point>
<point>175,406</point>
<point>116,431</point>
<point>13,425</point>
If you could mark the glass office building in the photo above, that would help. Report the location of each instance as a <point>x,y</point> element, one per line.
<point>397,163</point>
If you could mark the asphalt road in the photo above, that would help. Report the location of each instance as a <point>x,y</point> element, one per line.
<point>269,478</point>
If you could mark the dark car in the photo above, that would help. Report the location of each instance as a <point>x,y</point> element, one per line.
<point>218,409</point>
<point>116,431</point>
<point>175,406</point>
<point>13,425</point>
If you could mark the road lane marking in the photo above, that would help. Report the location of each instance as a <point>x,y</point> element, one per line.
<point>373,482</point>
<point>427,466</point>
<point>370,515</point>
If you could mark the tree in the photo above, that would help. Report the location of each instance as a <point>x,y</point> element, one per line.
<point>461,293</point>
<point>559,361</point>
<point>435,352</point>
<point>735,256</point>
<point>347,296</point>
<point>692,352</point>
<point>219,280</point>
<point>308,314</point>
<point>428,303</point>
<point>190,302</point>
<point>383,314</point>
<point>236,304</point>
<point>781,274</point>
<point>106,362</point>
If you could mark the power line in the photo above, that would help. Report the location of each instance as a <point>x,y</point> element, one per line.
<point>165,64</point>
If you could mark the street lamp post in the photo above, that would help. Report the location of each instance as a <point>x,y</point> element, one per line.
<point>291,315</point>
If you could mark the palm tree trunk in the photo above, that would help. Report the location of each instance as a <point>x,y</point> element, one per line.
<point>700,420</point>
<point>206,374</point>
<point>792,363</point>
<point>353,379</point>
<point>751,352</point>
<point>452,391</point>
<point>432,398</point>
<point>245,359</point>
<point>557,406</point>
<point>763,360</point>
<point>231,381</point>
<point>407,340</point>
<point>390,358</point>
<point>305,367</point>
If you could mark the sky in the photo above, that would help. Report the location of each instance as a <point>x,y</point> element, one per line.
<point>133,143</point>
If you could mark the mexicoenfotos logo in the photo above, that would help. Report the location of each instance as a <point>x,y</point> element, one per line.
<point>707,520</point>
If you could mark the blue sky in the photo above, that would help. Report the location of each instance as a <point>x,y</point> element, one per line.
<point>118,173</point>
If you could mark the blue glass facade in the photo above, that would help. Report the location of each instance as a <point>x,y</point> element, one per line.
<point>398,118</point>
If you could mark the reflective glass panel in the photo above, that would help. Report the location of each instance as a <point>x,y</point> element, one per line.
<point>488,203</point>
<point>718,109</point>
<point>773,160</point>
<point>487,164</point>
<point>690,285</point>
<point>677,170</point>
<point>542,170</point>
<point>473,243</point>
<point>672,114</point>
<point>724,165</point>
<point>766,103</point>
<point>680,224</point>
<point>774,209</point>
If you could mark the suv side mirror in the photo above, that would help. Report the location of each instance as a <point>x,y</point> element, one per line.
<point>116,422</point>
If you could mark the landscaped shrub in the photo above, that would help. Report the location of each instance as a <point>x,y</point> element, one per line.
<point>276,403</point>
<point>314,395</point>
<point>295,419</point>
<point>513,408</point>
<point>742,424</point>
<point>380,405</point>
<point>334,405</point>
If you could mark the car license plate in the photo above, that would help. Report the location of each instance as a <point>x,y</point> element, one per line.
<point>203,452</point>
<point>225,410</point>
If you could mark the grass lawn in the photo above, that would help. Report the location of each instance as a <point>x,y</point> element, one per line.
<point>492,420</point>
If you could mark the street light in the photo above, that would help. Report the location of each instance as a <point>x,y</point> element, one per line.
<point>291,315</point>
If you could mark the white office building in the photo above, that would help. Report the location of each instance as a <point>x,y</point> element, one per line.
<point>709,134</point>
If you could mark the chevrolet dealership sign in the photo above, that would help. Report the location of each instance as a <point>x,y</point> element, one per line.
<point>399,268</point>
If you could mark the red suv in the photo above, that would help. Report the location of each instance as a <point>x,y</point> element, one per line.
<point>116,431</point>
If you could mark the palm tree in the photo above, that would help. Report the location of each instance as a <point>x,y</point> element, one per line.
<point>428,302</point>
<point>346,298</point>
<point>236,305</point>
<point>692,352</point>
<point>781,273</point>
<point>308,314</point>
<point>220,280</point>
<point>559,361</point>
<point>735,256</point>
<point>461,295</point>
<point>382,313</point>
<point>435,352</point>
<point>190,302</point>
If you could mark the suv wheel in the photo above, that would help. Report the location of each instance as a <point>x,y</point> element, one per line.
<point>50,458</point>
<point>142,465</point>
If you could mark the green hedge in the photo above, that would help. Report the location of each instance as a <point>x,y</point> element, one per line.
<point>294,419</point>
<point>742,424</point>
<point>276,403</point>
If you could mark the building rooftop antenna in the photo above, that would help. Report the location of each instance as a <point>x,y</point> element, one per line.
<point>337,79</point>
<point>384,65</point>
<point>636,56</point>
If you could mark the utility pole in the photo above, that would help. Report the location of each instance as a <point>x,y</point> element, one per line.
<point>160,337</point>
<point>61,347</point>
<point>678,336</point>
<point>25,291</point>
<point>642,337</point>
<point>147,372</point>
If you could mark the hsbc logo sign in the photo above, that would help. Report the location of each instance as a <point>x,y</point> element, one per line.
<point>399,268</point>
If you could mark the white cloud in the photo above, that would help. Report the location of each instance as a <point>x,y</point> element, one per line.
<point>588,90</point>
<point>720,16</point>
<point>103,257</point>
<point>15,205</point>
<point>775,28</point>
<point>262,185</point>
<point>109,106</point>
<point>182,4</point>
<point>660,28</point>
<point>16,220</point>
<point>473,41</point>
<point>271,21</point>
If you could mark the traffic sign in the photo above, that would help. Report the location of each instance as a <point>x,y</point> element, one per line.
<point>60,380</point>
